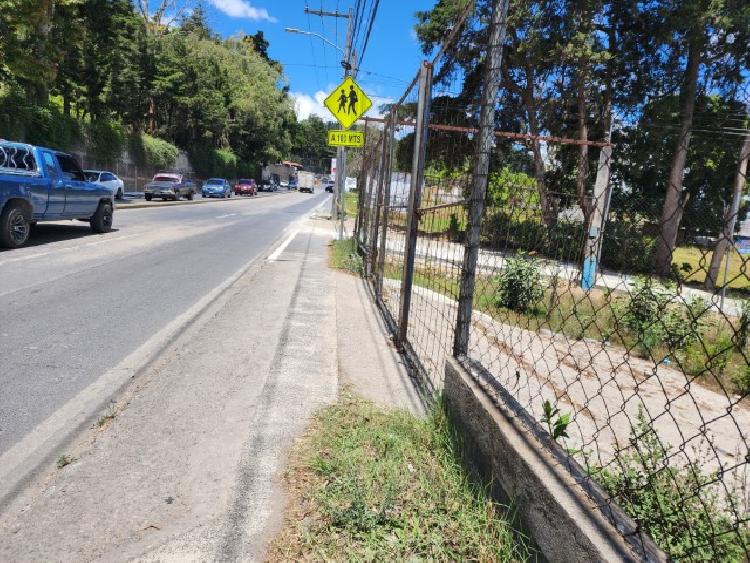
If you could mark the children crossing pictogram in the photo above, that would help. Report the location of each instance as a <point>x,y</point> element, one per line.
<point>348,102</point>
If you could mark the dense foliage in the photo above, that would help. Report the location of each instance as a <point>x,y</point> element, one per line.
<point>665,81</point>
<point>102,74</point>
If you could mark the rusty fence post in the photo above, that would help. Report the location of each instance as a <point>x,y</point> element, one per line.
<point>485,141</point>
<point>415,195</point>
<point>388,161</point>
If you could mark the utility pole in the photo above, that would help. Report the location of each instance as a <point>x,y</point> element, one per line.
<point>337,205</point>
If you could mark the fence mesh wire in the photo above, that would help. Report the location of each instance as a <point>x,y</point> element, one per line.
<point>638,368</point>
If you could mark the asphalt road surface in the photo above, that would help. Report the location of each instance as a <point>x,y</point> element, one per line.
<point>73,303</point>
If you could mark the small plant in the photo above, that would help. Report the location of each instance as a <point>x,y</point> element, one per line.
<point>557,423</point>
<point>677,506</point>
<point>64,460</point>
<point>105,418</point>
<point>345,256</point>
<point>519,286</point>
<point>741,380</point>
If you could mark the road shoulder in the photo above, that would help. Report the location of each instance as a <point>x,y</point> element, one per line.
<point>185,465</point>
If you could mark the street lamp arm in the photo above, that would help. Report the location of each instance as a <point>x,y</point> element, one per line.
<point>302,32</point>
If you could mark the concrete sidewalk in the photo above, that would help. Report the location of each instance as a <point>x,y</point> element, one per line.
<point>186,464</point>
<point>368,361</point>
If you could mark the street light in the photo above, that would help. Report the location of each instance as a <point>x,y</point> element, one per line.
<point>303,32</point>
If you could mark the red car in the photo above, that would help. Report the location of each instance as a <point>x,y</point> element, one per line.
<point>245,187</point>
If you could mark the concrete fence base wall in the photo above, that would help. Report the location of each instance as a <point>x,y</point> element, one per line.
<point>563,522</point>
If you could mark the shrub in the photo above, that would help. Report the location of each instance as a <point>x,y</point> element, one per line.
<point>654,318</point>
<point>158,152</point>
<point>208,161</point>
<point>678,507</point>
<point>106,139</point>
<point>625,248</point>
<point>519,285</point>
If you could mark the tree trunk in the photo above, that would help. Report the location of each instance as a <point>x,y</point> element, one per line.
<point>671,214</point>
<point>582,173</point>
<point>730,218</point>
<point>549,212</point>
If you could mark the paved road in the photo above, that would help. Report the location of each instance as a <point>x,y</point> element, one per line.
<point>73,304</point>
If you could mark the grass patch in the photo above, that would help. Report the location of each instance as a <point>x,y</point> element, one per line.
<point>693,263</point>
<point>345,256</point>
<point>377,485</point>
<point>351,200</point>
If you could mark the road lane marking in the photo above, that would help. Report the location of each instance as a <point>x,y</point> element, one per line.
<point>282,247</point>
<point>225,216</point>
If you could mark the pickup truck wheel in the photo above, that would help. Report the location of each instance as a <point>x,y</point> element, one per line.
<point>148,197</point>
<point>14,227</point>
<point>190,196</point>
<point>101,221</point>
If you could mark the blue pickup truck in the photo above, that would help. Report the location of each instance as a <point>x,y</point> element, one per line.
<point>40,184</point>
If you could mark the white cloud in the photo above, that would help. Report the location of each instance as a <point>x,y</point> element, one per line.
<point>306,105</point>
<point>242,9</point>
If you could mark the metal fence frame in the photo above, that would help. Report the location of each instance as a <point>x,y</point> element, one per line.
<point>379,219</point>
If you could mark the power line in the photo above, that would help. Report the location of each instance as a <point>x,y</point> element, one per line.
<point>312,51</point>
<point>373,13</point>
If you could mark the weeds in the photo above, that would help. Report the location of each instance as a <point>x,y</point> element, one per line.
<point>105,418</point>
<point>386,486</point>
<point>677,506</point>
<point>345,256</point>
<point>64,460</point>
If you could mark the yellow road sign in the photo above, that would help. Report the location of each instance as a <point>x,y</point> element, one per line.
<point>346,138</point>
<point>348,102</point>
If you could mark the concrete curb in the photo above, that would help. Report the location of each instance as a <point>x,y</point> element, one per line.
<point>151,204</point>
<point>29,458</point>
<point>503,449</point>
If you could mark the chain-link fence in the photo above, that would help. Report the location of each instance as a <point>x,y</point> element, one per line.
<point>550,285</point>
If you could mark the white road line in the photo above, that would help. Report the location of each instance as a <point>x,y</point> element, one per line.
<point>225,216</point>
<point>282,247</point>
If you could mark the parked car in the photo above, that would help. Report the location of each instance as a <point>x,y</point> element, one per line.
<point>169,186</point>
<point>284,184</point>
<point>107,179</point>
<point>216,187</point>
<point>293,184</point>
<point>41,184</point>
<point>269,187</point>
<point>245,187</point>
<point>330,185</point>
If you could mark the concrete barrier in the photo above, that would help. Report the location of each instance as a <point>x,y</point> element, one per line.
<point>566,515</point>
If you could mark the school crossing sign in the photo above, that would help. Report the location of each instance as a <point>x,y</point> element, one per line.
<point>348,102</point>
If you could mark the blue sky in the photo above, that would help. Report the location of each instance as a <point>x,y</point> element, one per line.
<point>313,68</point>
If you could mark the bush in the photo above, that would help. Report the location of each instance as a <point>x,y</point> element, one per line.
<point>106,139</point>
<point>626,249</point>
<point>158,153</point>
<point>564,241</point>
<point>519,286</point>
<point>678,507</point>
<point>208,161</point>
<point>654,319</point>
